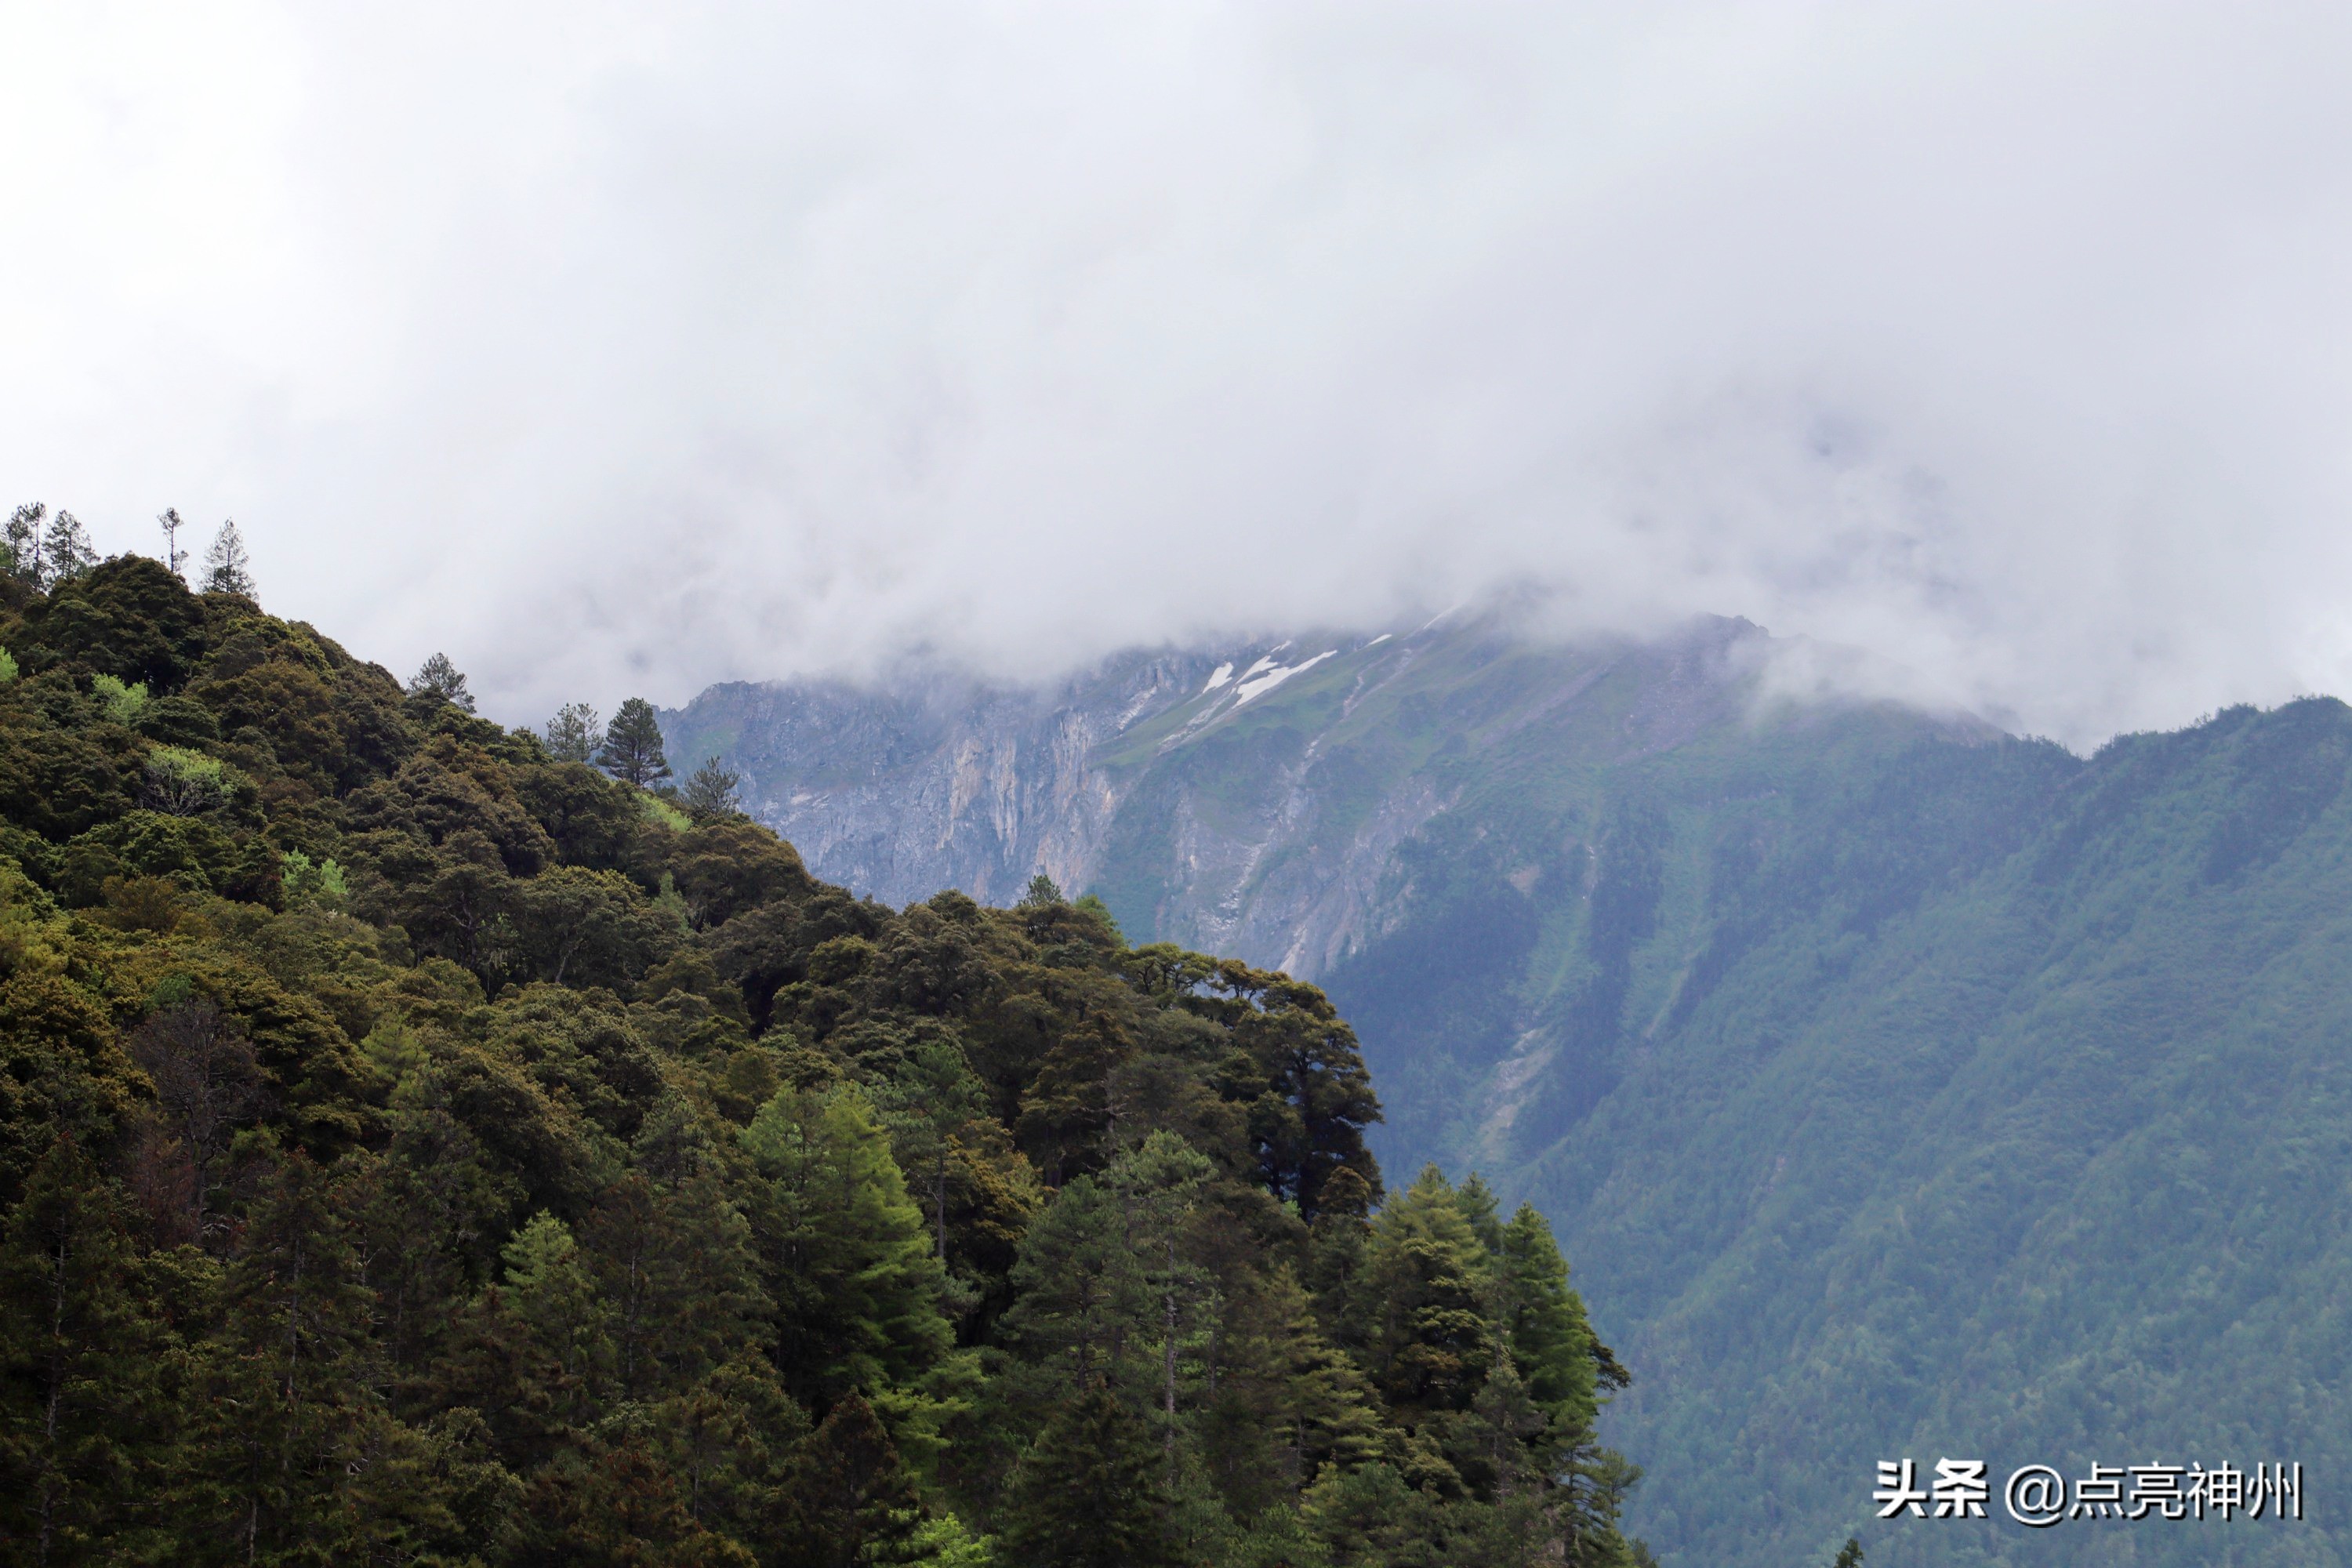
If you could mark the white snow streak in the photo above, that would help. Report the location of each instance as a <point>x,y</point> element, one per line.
<point>1274,677</point>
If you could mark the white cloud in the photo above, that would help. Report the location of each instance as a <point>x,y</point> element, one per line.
<point>622,349</point>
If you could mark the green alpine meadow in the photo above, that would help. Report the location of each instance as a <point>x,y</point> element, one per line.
<point>427,1142</point>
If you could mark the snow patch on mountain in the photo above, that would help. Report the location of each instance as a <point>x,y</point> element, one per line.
<point>1276,677</point>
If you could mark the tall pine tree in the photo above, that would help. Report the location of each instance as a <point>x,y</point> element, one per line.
<point>575,733</point>
<point>1089,1492</point>
<point>1427,1278</point>
<point>20,543</point>
<point>1081,1315</point>
<point>227,568</point>
<point>1545,1323</point>
<point>66,552</point>
<point>632,752</point>
<point>290,1381</point>
<point>849,1259</point>
<point>437,679</point>
<point>674,1262</point>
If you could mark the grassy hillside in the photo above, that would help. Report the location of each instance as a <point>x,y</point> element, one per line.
<point>416,1149</point>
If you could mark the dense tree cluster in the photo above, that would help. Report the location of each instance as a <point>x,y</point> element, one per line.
<point>417,1146</point>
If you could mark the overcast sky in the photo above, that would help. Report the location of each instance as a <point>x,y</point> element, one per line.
<point>620,350</point>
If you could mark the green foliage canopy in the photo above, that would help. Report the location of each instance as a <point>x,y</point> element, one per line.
<point>411,1149</point>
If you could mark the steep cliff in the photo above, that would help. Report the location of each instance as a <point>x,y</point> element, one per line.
<point>935,781</point>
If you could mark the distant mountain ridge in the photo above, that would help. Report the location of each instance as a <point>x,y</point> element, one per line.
<point>934,781</point>
<point>1140,778</point>
<point>1898,1085</point>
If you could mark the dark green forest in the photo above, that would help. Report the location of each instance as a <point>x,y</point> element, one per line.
<point>419,1145</point>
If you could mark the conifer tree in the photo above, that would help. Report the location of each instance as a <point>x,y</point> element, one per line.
<point>1082,1300</point>
<point>533,1377</point>
<point>849,1260</point>
<point>1849,1556</point>
<point>416,1211</point>
<point>945,1542</point>
<point>1545,1323</point>
<point>1339,1249</point>
<point>674,1263</point>
<point>550,1291</point>
<point>1310,1122</point>
<point>175,560</point>
<point>709,791</point>
<point>227,568</point>
<point>66,552</point>
<point>1483,1209</point>
<point>633,746</point>
<point>575,733</point>
<point>939,1118</point>
<point>424,1493</point>
<point>1159,1184</point>
<point>289,1382</point>
<point>1504,1421</point>
<point>1287,1400</point>
<point>1427,1276</point>
<point>439,680</point>
<point>613,1503</point>
<point>730,1440</point>
<point>1089,1491</point>
<point>855,1503</point>
<point>20,545</point>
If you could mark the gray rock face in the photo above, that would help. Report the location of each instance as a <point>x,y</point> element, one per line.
<point>935,781</point>
<point>1249,800</point>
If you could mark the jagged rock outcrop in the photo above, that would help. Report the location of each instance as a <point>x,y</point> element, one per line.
<point>1251,798</point>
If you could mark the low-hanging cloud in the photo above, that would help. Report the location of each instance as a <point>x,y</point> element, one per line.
<point>621,350</point>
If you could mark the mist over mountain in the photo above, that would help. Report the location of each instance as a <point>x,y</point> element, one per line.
<point>1904,1087</point>
<point>1249,794</point>
<point>683,344</point>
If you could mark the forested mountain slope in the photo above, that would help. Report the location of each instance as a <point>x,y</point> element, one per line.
<point>1901,1087</point>
<point>1995,1104</point>
<point>415,1149</point>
